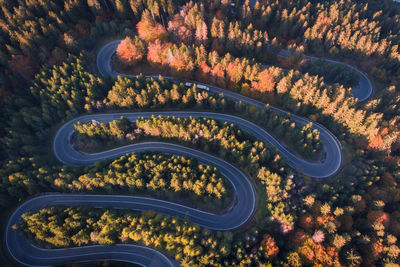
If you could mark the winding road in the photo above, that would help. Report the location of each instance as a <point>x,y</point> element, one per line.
<point>27,254</point>
<point>361,92</point>
<point>331,146</point>
<point>237,215</point>
<point>364,88</point>
<point>245,200</point>
<point>65,152</point>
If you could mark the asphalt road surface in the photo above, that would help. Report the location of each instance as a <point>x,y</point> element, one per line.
<point>331,145</point>
<point>361,92</point>
<point>236,215</point>
<point>65,152</point>
<point>239,213</point>
<point>364,88</point>
<point>27,254</point>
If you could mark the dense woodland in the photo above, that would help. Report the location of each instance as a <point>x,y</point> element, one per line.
<point>302,94</point>
<point>203,133</point>
<point>154,174</point>
<point>140,173</point>
<point>191,245</point>
<point>48,76</point>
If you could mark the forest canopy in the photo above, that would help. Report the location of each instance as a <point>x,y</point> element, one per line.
<point>258,49</point>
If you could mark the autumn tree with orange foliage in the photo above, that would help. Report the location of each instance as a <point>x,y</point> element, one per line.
<point>234,71</point>
<point>376,142</point>
<point>384,140</point>
<point>180,61</point>
<point>268,245</point>
<point>318,254</point>
<point>178,30</point>
<point>131,51</point>
<point>322,219</point>
<point>203,74</point>
<point>376,249</point>
<point>149,30</point>
<point>266,82</point>
<point>156,52</point>
<point>218,75</point>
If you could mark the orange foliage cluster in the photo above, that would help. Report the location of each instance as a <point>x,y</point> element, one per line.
<point>317,254</point>
<point>156,50</point>
<point>204,72</point>
<point>151,32</point>
<point>320,220</point>
<point>324,20</point>
<point>178,64</point>
<point>129,53</point>
<point>234,71</point>
<point>169,56</point>
<point>376,142</point>
<point>268,244</point>
<point>266,82</point>
<point>218,75</point>
<point>377,249</point>
<point>306,221</point>
<point>179,31</point>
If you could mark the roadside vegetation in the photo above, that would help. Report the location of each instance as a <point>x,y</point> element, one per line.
<point>203,133</point>
<point>169,177</point>
<point>331,105</point>
<point>192,245</point>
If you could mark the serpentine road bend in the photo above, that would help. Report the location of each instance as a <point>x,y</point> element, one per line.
<point>27,254</point>
<point>239,213</point>
<point>65,152</point>
<point>364,88</point>
<point>236,215</point>
<point>361,92</point>
<point>331,146</point>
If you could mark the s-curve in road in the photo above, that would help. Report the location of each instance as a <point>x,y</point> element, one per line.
<point>361,92</point>
<point>331,145</point>
<point>27,254</point>
<point>240,211</point>
<point>66,153</point>
<point>364,88</point>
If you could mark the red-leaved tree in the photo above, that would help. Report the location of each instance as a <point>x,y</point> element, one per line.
<point>265,83</point>
<point>156,52</point>
<point>268,245</point>
<point>131,51</point>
